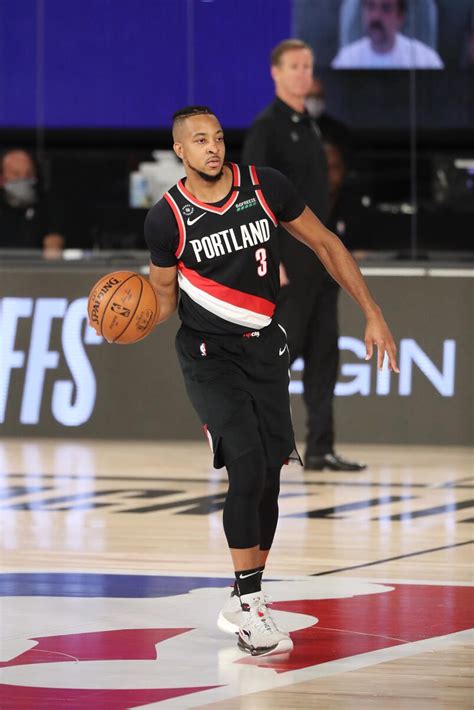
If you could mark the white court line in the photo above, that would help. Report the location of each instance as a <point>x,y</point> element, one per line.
<point>254,684</point>
<point>452,273</point>
<point>392,271</point>
<point>407,271</point>
<point>396,271</point>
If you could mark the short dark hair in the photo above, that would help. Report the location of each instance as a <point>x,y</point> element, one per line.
<point>402,7</point>
<point>286,46</point>
<point>191,111</point>
<point>187,111</point>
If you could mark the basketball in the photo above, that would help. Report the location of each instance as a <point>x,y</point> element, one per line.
<point>122,307</point>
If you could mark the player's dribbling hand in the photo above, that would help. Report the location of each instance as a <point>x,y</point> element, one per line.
<point>378,333</point>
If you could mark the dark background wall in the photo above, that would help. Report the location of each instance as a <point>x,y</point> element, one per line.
<point>130,64</point>
<point>89,196</point>
<point>90,88</point>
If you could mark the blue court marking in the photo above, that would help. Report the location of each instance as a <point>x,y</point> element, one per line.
<point>67,584</point>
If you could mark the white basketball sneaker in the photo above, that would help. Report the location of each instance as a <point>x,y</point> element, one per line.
<point>230,616</point>
<point>258,633</point>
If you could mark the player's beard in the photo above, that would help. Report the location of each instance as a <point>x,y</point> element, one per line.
<point>206,176</point>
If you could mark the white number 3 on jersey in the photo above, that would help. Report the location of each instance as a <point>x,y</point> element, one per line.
<point>261,257</point>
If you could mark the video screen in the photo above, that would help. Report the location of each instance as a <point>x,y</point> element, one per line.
<point>388,34</point>
<point>385,63</point>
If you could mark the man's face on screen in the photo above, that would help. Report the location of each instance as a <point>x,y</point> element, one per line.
<point>293,76</point>
<point>382,20</point>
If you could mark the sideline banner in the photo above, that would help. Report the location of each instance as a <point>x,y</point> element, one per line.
<point>58,379</point>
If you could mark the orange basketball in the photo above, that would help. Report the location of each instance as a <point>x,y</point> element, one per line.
<point>122,307</point>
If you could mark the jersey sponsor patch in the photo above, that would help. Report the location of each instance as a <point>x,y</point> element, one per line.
<point>246,204</point>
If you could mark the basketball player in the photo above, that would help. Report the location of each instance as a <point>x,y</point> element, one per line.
<point>212,239</point>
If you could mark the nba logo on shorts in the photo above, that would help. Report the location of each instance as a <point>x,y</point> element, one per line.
<point>203,349</point>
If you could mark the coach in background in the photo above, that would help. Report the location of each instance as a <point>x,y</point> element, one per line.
<point>285,137</point>
<point>24,214</point>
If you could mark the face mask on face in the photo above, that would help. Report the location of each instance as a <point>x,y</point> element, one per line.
<point>21,193</point>
<point>315,106</point>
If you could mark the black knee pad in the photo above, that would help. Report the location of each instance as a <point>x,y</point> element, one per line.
<point>268,509</point>
<point>247,475</point>
<point>271,488</point>
<point>241,509</point>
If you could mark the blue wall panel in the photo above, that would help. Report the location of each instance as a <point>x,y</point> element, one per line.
<point>132,63</point>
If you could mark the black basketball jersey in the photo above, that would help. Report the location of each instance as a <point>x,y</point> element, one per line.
<point>228,257</point>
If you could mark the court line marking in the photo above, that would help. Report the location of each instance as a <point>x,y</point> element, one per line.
<point>417,271</point>
<point>257,683</point>
<point>266,681</point>
<point>456,273</point>
<point>171,479</point>
<point>392,559</point>
<point>225,575</point>
<point>393,271</point>
<point>424,512</point>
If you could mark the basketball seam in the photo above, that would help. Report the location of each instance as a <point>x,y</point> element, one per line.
<point>156,301</point>
<point>140,278</point>
<point>110,297</point>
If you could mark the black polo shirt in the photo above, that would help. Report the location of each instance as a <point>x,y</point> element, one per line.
<point>22,227</point>
<point>290,141</point>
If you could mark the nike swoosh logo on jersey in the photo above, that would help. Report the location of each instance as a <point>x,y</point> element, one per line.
<point>282,350</point>
<point>190,222</point>
<point>244,576</point>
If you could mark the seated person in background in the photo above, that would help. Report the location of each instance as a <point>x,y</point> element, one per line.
<point>342,203</point>
<point>385,47</point>
<point>24,219</point>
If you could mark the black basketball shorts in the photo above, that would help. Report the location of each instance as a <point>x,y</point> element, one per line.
<point>238,385</point>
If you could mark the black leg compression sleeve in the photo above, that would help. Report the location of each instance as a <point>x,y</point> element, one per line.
<point>241,509</point>
<point>268,508</point>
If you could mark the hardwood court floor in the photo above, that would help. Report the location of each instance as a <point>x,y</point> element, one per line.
<point>383,558</point>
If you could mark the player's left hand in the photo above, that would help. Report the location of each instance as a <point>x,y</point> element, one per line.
<point>378,333</point>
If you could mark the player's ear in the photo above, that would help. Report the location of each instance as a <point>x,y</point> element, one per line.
<point>178,149</point>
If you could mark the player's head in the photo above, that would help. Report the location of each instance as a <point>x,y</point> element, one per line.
<point>382,19</point>
<point>16,164</point>
<point>18,177</point>
<point>292,68</point>
<point>199,141</point>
